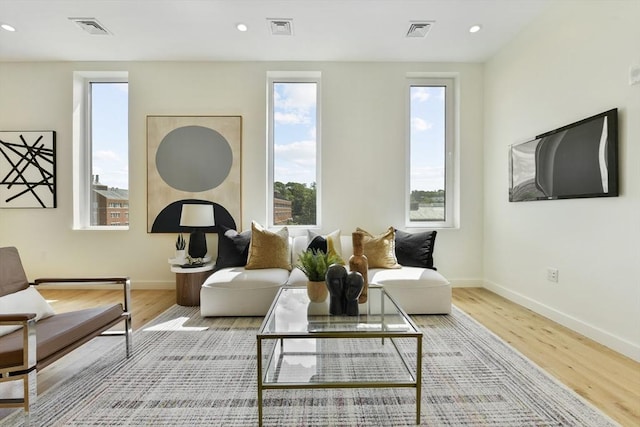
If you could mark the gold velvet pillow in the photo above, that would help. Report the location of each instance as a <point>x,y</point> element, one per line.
<point>267,249</point>
<point>380,250</point>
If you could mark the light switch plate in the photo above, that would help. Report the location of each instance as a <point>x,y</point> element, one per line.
<point>634,75</point>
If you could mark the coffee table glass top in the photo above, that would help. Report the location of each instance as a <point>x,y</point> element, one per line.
<point>293,314</point>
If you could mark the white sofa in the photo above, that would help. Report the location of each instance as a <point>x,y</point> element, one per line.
<point>236,291</point>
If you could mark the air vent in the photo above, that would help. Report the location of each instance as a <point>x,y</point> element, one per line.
<point>281,27</point>
<point>419,29</point>
<point>91,26</point>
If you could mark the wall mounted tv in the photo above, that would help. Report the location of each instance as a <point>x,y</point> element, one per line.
<point>575,161</point>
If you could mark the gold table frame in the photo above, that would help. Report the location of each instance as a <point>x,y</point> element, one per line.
<point>343,332</point>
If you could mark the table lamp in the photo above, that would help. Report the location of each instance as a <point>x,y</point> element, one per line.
<point>197,217</point>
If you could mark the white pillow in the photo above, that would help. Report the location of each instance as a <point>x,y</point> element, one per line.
<point>25,301</point>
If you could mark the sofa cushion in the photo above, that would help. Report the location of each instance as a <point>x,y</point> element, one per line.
<point>297,278</point>
<point>243,278</point>
<point>415,249</point>
<point>233,248</point>
<point>407,277</point>
<point>25,301</point>
<point>267,249</point>
<point>380,249</point>
<point>57,332</point>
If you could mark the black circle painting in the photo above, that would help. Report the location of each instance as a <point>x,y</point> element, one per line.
<point>194,158</point>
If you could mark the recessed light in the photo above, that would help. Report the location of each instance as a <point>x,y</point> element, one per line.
<point>242,27</point>
<point>475,28</point>
<point>7,27</point>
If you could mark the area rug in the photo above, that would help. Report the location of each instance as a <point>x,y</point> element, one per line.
<point>190,371</point>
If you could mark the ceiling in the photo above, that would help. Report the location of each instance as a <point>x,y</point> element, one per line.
<point>205,30</point>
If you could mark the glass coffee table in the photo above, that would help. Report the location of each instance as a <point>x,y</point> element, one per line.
<point>301,346</point>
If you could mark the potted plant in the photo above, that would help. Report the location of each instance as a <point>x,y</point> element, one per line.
<point>180,251</point>
<point>314,264</point>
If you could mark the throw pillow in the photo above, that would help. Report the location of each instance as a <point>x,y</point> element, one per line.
<point>25,301</point>
<point>328,244</point>
<point>380,250</point>
<point>267,249</point>
<point>233,248</point>
<point>415,249</point>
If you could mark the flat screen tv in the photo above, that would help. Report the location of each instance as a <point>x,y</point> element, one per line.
<point>575,161</point>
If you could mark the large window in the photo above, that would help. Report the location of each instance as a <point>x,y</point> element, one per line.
<point>294,143</point>
<point>101,147</point>
<point>431,143</point>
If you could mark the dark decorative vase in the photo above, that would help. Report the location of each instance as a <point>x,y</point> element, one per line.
<point>335,279</point>
<point>197,244</point>
<point>354,284</point>
<point>358,262</point>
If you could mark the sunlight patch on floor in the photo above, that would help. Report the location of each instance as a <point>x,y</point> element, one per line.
<point>176,324</point>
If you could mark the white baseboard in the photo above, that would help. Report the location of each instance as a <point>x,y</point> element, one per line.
<point>603,337</point>
<point>139,285</point>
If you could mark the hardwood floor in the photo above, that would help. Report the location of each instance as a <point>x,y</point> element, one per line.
<point>607,379</point>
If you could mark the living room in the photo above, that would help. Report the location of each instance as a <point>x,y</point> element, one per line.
<point>572,61</point>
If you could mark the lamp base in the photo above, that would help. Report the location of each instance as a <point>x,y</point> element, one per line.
<point>197,244</point>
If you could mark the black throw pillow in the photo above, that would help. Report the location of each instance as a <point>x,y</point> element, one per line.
<point>415,249</point>
<point>317,242</point>
<point>233,248</point>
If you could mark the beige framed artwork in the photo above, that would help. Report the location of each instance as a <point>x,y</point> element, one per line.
<point>193,159</point>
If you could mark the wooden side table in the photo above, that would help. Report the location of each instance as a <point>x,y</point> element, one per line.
<point>189,280</point>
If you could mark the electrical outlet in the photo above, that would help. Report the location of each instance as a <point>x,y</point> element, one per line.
<point>552,275</point>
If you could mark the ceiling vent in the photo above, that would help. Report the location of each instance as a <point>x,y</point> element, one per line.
<point>281,27</point>
<point>419,29</point>
<point>91,26</point>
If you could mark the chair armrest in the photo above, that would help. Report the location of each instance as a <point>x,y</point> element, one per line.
<point>16,318</point>
<point>125,281</point>
<point>28,323</point>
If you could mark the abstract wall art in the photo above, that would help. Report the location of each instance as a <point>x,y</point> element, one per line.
<point>27,169</point>
<point>192,158</point>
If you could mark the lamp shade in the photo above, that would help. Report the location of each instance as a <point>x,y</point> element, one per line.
<point>197,216</point>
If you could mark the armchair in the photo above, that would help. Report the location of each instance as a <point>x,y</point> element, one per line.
<point>38,342</point>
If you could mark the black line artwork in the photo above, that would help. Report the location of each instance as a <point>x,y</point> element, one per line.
<point>28,169</point>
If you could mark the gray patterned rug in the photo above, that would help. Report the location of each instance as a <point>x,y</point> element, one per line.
<point>189,371</point>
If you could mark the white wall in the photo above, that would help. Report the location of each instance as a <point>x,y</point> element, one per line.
<point>363,148</point>
<point>571,63</point>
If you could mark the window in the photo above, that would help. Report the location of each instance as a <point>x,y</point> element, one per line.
<point>101,147</point>
<point>431,141</point>
<point>294,143</point>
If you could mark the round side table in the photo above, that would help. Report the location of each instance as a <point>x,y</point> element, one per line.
<point>189,280</point>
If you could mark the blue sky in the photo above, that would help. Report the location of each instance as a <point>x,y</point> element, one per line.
<point>294,115</point>
<point>110,133</point>
<point>427,138</point>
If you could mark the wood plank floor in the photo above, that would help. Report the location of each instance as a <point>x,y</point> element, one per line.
<point>607,379</point>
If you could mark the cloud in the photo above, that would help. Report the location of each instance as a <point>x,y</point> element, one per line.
<point>427,178</point>
<point>111,168</point>
<point>295,162</point>
<point>294,103</point>
<point>106,155</point>
<point>420,125</point>
<point>420,93</point>
<point>290,118</point>
<point>296,96</point>
<point>300,152</point>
